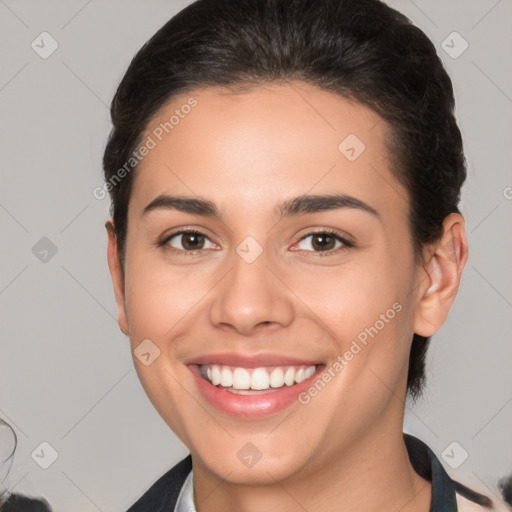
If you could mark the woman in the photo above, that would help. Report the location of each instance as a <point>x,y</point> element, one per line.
<point>285,239</point>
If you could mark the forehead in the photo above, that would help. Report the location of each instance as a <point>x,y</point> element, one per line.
<point>253,149</point>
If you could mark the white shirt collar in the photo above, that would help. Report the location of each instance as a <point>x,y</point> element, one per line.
<point>185,501</point>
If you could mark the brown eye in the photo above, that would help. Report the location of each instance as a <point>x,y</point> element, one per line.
<point>323,242</point>
<point>192,241</point>
<point>188,241</point>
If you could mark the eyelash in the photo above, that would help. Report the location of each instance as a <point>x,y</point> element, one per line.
<point>333,234</point>
<point>346,243</point>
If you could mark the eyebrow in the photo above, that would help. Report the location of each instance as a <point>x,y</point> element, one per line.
<point>300,205</point>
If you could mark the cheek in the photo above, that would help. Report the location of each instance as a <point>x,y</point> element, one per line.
<point>348,298</point>
<point>158,296</point>
<point>365,308</point>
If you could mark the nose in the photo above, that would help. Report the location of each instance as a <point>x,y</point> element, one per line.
<point>251,298</point>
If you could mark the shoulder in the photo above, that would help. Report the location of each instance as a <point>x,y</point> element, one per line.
<point>477,500</point>
<point>447,492</point>
<point>465,505</point>
<point>163,494</point>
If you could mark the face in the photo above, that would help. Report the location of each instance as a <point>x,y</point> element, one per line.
<point>270,325</point>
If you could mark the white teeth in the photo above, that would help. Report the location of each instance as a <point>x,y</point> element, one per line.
<point>289,377</point>
<point>215,375</point>
<point>309,372</point>
<point>258,379</point>
<point>277,378</point>
<point>226,377</point>
<point>241,379</point>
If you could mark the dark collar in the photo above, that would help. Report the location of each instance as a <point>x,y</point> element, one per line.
<point>444,489</point>
<point>163,494</point>
<point>427,465</point>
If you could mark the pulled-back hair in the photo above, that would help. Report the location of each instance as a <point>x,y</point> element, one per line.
<point>362,50</point>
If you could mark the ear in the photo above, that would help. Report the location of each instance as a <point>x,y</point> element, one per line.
<point>439,278</point>
<point>116,273</point>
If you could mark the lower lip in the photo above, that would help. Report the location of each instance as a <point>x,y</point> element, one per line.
<point>251,406</point>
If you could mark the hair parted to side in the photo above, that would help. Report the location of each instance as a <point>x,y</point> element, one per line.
<point>362,50</point>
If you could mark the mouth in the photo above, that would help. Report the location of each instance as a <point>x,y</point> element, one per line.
<point>253,388</point>
<point>254,381</point>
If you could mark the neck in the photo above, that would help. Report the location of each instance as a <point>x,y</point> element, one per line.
<point>372,474</point>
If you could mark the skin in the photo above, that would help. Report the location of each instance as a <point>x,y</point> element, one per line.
<point>248,152</point>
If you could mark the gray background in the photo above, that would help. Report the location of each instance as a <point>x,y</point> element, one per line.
<point>66,374</point>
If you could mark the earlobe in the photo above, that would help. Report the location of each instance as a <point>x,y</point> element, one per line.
<point>116,273</point>
<point>439,278</point>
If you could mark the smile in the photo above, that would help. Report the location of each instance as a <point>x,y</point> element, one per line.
<point>252,387</point>
<point>248,381</point>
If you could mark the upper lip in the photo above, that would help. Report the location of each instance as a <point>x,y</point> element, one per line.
<point>250,361</point>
